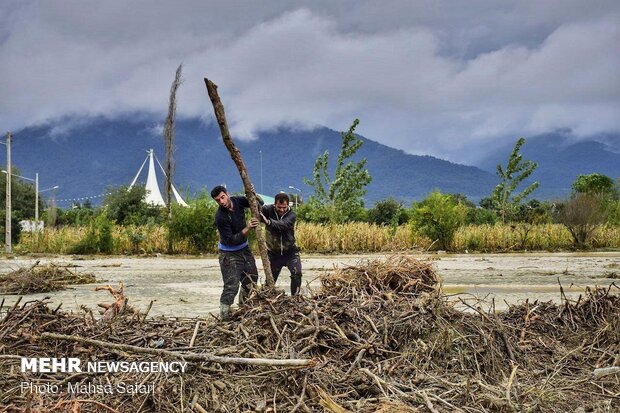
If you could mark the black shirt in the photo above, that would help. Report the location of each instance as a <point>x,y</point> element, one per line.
<point>230,224</point>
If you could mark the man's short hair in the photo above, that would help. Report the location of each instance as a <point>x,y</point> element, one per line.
<point>281,197</point>
<point>218,190</point>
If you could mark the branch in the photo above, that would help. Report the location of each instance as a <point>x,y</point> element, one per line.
<point>235,154</point>
<point>204,357</point>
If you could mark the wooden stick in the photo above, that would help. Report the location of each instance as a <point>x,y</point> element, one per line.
<point>77,401</point>
<point>191,342</point>
<point>235,154</point>
<point>204,357</point>
<point>428,402</point>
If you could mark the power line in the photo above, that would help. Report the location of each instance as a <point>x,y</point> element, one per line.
<point>83,198</point>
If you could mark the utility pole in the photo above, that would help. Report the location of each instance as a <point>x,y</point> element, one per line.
<point>7,226</point>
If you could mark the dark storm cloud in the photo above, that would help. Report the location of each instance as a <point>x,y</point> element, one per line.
<point>443,78</point>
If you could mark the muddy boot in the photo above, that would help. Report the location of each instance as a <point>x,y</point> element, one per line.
<point>224,312</point>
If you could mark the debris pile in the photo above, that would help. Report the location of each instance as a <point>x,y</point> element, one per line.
<point>42,279</point>
<point>372,340</point>
<point>399,274</point>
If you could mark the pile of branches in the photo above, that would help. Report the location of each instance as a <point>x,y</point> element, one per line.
<point>399,274</point>
<point>356,350</point>
<point>42,279</point>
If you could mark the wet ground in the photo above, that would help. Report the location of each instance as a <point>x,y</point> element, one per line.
<point>191,286</point>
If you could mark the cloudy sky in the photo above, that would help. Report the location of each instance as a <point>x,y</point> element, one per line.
<point>445,78</point>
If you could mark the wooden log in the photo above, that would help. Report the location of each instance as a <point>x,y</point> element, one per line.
<point>605,371</point>
<point>169,145</point>
<point>235,154</point>
<point>199,357</point>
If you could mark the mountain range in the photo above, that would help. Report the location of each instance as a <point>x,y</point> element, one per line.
<point>86,156</point>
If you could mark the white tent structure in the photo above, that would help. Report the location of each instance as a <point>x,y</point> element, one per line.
<point>153,195</point>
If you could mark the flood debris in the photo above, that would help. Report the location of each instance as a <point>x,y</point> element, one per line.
<point>42,279</point>
<point>375,341</point>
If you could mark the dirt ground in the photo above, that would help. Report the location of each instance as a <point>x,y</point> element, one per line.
<point>191,286</point>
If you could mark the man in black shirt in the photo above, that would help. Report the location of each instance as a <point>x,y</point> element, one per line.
<point>236,260</point>
<point>279,221</point>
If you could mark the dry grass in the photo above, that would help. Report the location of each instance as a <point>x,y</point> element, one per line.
<point>355,237</point>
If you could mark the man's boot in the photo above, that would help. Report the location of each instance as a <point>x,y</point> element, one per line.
<point>224,312</point>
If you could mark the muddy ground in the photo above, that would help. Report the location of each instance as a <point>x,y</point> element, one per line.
<point>190,286</point>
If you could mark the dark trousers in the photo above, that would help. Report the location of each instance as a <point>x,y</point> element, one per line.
<point>237,267</point>
<point>292,261</point>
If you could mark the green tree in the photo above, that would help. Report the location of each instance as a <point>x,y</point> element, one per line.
<point>477,215</point>
<point>341,199</point>
<point>388,212</point>
<point>516,171</point>
<point>438,217</point>
<point>526,217</point>
<point>195,224</point>
<point>76,216</point>
<point>126,206</point>
<point>596,184</point>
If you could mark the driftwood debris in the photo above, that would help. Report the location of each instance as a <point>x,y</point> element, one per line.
<point>41,279</point>
<point>188,356</point>
<point>383,343</point>
<point>235,154</point>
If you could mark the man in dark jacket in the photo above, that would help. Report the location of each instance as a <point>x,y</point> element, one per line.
<point>281,246</point>
<point>236,260</point>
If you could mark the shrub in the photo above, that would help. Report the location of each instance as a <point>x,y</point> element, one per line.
<point>438,217</point>
<point>388,212</point>
<point>195,224</point>
<point>582,215</point>
<point>613,218</point>
<point>98,238</point>
<point>126,206</point>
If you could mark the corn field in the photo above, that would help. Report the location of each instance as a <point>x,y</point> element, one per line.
<point>355,237</point>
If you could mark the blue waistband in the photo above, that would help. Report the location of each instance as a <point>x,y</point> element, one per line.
<point>233,248</point>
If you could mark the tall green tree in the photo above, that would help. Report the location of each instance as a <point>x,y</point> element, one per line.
<point>595,184</point>
<point>517,170</point>
<point>126,206</point>
<point>438,217</point>
<point>340,198</point>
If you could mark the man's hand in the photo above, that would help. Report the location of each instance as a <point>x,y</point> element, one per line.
<point>265,219</point>
<point>253,223</point>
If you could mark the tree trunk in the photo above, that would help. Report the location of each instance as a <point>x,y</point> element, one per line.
<point>218,108</point>
<point>169,145</point>
<point>188,356</point>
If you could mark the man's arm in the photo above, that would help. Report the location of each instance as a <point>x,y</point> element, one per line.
<point>286,223</point>
<point>228,237</point>
<point>264,213</point>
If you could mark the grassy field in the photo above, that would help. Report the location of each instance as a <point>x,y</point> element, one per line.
<point>339,238</point>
